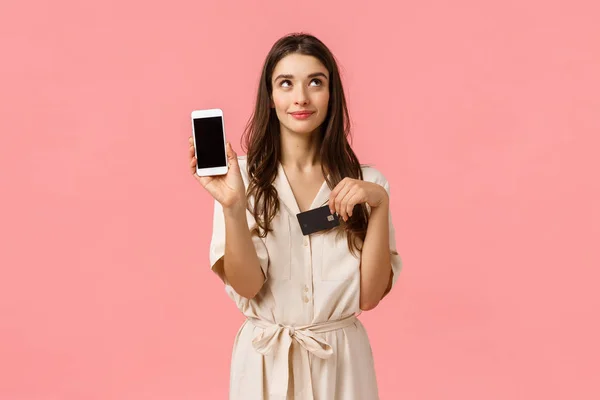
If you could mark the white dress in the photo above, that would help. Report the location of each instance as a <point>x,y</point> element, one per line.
<point>301,339</point>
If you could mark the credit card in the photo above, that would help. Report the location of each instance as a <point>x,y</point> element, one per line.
<point>316,220</point>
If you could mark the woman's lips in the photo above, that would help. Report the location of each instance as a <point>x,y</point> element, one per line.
<point>302,114</point>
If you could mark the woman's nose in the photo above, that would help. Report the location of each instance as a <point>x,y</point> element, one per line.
<point>301,97</point>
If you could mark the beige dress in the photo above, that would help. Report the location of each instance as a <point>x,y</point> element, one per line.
<point>301,339</point>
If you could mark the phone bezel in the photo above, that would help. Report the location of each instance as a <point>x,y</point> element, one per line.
<point>208,113</point>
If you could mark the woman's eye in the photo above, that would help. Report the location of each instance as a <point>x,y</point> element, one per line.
<point>288,83</point>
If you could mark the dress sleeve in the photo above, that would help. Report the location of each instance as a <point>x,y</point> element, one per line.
<point>217,243</point>
<point>394,256</point>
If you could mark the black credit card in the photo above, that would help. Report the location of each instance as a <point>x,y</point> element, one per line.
<point>316,220</point>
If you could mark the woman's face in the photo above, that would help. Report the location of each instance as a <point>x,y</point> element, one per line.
<point>300,84</point>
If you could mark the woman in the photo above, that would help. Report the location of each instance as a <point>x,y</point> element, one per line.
<point>301,294</point>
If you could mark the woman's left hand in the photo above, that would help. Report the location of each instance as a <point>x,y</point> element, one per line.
<point>350,192</point>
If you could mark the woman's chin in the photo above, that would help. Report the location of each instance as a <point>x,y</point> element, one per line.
<point>301,129</point>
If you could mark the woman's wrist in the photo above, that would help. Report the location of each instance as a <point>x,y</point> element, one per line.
<point>384,199</point>
<point>235,211</point>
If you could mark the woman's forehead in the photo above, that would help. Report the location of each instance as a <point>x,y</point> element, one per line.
<point>299,65</point>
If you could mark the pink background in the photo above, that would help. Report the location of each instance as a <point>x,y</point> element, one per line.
<point>483,115</point>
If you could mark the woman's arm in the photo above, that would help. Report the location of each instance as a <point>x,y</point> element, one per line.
<point>235,261</point>
<point>375,265</point>
<point>240,265</point>
<point>376,272</point>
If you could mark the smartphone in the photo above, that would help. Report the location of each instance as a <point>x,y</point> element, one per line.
<point>208,128</point>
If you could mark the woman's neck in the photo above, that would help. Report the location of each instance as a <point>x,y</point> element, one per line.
<point>300,151</point>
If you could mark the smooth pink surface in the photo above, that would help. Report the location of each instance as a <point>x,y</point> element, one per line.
<point>483,116</point>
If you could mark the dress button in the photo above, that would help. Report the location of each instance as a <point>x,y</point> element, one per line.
<point>306,241</point>
<point>305,289</point>
<point>306,300</point>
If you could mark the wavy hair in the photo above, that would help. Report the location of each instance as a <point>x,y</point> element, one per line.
<point>261,138</point>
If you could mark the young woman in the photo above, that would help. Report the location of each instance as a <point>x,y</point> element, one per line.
<point>301,294</point>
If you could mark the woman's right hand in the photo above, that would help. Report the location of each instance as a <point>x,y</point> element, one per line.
<point>227,189</point>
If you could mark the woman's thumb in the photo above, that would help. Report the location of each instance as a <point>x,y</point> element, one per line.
<point>231,155</point>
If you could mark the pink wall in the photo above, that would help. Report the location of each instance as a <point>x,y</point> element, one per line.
<point>483,116</point>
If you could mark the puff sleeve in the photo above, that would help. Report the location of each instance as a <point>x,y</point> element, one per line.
<point>394,256</point>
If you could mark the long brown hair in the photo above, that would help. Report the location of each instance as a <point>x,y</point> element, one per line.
<point>261,138</point>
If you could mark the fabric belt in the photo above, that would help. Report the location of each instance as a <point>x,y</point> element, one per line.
<point>277,339</point>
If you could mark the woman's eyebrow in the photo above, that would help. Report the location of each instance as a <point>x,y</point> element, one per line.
<point>313,75</point>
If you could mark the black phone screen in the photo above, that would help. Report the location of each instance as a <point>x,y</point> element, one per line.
<point>210,148</point>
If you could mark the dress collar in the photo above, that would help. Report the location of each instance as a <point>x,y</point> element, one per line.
<point>286,195</point>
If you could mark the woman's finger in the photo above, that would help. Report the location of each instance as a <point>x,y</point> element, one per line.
<point>231,155</point>
<point>339,187</point>
<point>353,201</point>
<point>334,194</point>
<point>339,207</point>
<point>337,200</point>
<point>204,180</point>
<point>343,208</point>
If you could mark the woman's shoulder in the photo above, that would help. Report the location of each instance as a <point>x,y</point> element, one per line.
<point>372,174</point>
